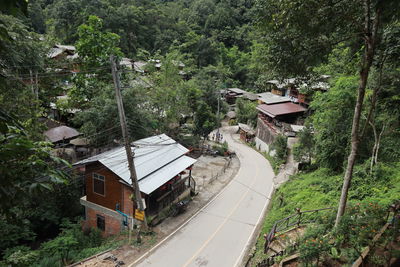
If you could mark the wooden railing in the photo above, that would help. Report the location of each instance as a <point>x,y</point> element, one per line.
<point>271,260</point>
<point>300,218</point>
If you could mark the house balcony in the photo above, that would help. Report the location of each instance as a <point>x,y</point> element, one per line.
<point>101,209</point>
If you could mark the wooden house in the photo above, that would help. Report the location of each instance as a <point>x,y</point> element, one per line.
<point>164,176</point>
<point>247,134</point>
<point>270,98</point>
<point>276,119</point>
<point>232,94</point>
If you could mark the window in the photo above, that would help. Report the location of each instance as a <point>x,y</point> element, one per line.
<point>101,222</point>
<point>98,184</point>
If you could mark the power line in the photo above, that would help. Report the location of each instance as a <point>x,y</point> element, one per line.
<point>112,129</point>
<point>53,74</point>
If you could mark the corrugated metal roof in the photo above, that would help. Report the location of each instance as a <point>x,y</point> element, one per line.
<point>236,90</point>
<point>54,52</point>
<point>231,114</point>
<point>284,83</point>
<point>60,133</point>
<point>246,128</point>
<point>250,96</point>
<point>280,109</point>
<point>163,175</point>
<point>151,155</point>
<point>66,47</point>
<point>270,98</point>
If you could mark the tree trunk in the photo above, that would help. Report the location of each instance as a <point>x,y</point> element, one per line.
<point>378,145</point>
<point>374,148</point>
<point>369,51</point>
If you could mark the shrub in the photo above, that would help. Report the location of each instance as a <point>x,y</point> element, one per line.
<point>221,149</point>
<point>314,244</point>
<point>20,256</point>
<point>280,147</point>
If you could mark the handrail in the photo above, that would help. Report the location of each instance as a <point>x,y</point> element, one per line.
<point>285,223</point>
<point>394,208</point>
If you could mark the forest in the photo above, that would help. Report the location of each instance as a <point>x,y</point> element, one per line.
<point>204,46</point>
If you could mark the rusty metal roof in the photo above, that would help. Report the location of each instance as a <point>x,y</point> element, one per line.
<point>280,109</point>
<point>60,133</point>
<point>246,128</point>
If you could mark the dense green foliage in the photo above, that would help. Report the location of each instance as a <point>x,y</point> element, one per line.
<point>203,46</point>
<point>321,188</point>
<point>69,246</point>
<point>332,122</point>
<point>246,112</point>
<point>210,38</point>
<point>280,148</point>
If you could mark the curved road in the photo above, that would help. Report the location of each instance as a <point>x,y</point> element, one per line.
<point>219,234</point>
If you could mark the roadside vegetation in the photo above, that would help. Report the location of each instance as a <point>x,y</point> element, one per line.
<point>320,189</point>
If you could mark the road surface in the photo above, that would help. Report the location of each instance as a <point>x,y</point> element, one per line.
<point>219,234</point>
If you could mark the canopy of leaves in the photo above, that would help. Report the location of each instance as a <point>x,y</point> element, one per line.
<point>332,122</point>
<point>246,112</point>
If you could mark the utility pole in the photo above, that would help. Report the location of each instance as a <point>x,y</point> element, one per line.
<point>218,118</point>
<point>129,152</point>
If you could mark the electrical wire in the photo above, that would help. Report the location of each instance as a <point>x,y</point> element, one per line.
<point>53,74</point>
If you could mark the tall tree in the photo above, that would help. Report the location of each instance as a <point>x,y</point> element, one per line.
<point>94,46</point>
<point>301,33</point>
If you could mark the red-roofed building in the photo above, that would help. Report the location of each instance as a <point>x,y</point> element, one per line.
<point>282,110</point>
<point>276,119</point>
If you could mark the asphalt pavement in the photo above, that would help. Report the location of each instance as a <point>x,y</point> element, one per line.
<point>219,234</point>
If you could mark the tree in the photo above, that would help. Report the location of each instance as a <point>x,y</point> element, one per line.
<point>62,244</point>
<point>302,33</point>
<point>94,47</point>
<point>204,120</point>
<point>16,8</point>
<point>304,150</point>
<point>27,167</point>
<point>280,147</point>
<point>332,122</point>
<point>246,112</point>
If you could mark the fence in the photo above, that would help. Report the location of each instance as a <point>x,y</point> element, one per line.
<point>271,260</point>
<point>310,216</point>
<point>221,172</point>
<point>301,217</point>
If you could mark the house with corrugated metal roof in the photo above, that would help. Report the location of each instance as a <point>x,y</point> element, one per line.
<point>233,93</point>
<point>298,90</point>
<point>276,119</point>
<point>164,175</point>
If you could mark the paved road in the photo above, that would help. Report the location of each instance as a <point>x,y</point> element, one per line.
<point>219,234</point>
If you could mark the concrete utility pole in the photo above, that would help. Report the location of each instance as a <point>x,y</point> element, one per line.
<point>129,152</point>
<point>218,116</point>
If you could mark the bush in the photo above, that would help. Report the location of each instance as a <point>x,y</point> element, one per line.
<point>232,122</point>
<point>280,147</point>
<point>314,244</point>
<point>357,227</point>
<point>221,149</point>
<point>321,188</point>
<point>20,256</point>
<point>66,247</point>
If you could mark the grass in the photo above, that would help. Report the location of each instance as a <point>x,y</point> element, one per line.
<point>321,188</point>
